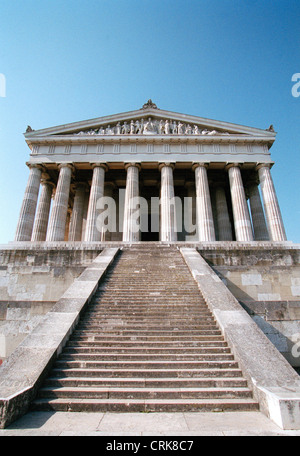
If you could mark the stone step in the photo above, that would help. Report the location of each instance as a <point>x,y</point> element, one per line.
<point>209,347</point>
<point>169,382</point>
<point>143,393</point>
<point>78,335</point>
<point>147,318</point>
<point>217,371</point>
<point>146,342</point>
<point>99,356</point>
<point>171,287</point>
<point>152,312</point>
<point>143,322</point>
<point>93,341</point>
<point>145,405</point>
<point>153,303</point>
<point>171,313</point>
<point>139,333</point>
<point>215,361</point>
<point>154,318</point>
<point>123,325</point>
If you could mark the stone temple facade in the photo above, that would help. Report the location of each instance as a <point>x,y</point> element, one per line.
<point>193,177</point>
<point>194,195</point>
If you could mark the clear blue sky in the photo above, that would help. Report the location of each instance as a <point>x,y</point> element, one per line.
<point>71,60</point>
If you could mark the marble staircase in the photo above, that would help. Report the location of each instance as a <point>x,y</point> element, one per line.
<point>147,342</point>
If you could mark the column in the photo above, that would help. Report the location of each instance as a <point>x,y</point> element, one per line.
<point>190,218</point>
<point>241,216</point>
<point>76,221</point>
<point>205,222</point>
<point>27,213</point>
<point>131,229</point>
<point>223,219</point>
<point>67,226</point>
<point>85,211</point>
<point>92,231</point>
<point>272,209</point>
<point>42,214</point>
<point>58,217</point>
<point>109,192</point>
<point>168,230</point>
<point>258,217</point>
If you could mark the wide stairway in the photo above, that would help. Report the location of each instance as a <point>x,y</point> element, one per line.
<point>146,343</point>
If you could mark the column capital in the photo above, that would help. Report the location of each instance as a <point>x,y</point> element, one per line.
<point>136,165</point>
<point>66,165</point>
<point>47,182</point>
<point>35,165</point>
<point>199,164</point>
<point>232,165</point>
<point>263,165</point>
<point>81,184</point>
<point>99,165</point>
<point>166,164</point>
<point>109,184</point>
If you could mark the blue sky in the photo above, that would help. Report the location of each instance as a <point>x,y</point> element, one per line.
<point>71,60</point>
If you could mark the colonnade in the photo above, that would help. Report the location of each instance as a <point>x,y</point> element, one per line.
<point>37,223</point>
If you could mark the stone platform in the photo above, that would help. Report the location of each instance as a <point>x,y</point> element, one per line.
<point>254,263</point>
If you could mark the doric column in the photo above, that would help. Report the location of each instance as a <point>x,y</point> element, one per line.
<point>190,218</point>
<point>57,223</point>
<point>109,192</point>
<point>75,229</point>
<point>168,230</point>
<point>42,214</point>
<point>67,226</point>
<point>242,222</point>
<point>223,219</point>
<point>27,213</point>
<point>85,211</point>
<point>205,222</point>
<point>92,231</point>
<point>131,230</point>
<point>258,217</point>
<point>272,209</point>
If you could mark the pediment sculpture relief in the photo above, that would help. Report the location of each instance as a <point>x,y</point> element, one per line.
<point>151,127</point>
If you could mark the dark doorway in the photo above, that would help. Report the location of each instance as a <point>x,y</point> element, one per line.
<point>150,235</point>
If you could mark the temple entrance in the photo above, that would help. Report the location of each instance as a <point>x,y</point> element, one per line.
<point>150,218</point>
<point>150,235</point>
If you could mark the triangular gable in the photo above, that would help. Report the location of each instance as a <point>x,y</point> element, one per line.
<point>149,120</point>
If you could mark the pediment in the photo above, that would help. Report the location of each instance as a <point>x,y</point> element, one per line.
<point>149,121</point>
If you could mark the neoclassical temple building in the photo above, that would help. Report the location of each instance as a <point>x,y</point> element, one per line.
<point>175,176</point>
<point>150,272</point>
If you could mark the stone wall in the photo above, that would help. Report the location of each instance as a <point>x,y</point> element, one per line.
<point>267,284</point>
<point>264,278</point>
<point>32,279</point>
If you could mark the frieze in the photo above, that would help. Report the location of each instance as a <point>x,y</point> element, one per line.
<point>150,127</point>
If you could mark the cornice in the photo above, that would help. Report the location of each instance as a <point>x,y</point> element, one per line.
<point>141,139</point>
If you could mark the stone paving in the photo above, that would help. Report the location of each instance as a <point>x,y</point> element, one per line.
<point>145,424</point>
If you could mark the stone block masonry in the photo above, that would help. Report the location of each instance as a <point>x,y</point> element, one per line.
<point>32,279</point>
<point>23,371</point>
<point>264,280</point>
<point>275,383</point>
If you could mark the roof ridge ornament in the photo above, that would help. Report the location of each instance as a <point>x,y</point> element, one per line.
<point>149,104</point>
